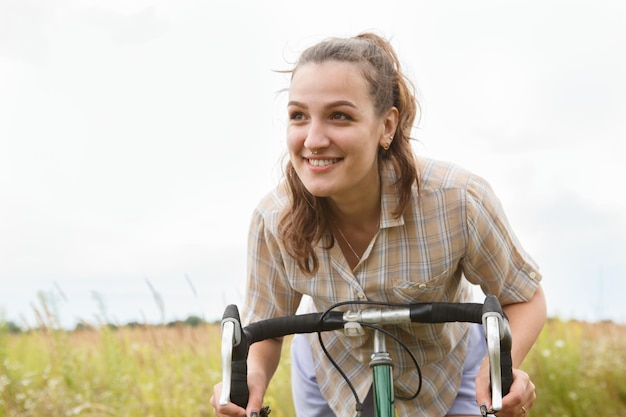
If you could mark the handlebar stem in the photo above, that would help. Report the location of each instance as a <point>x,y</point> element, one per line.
<point>379,315</point>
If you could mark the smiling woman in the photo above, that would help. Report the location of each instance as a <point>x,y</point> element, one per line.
<point>360,217</point>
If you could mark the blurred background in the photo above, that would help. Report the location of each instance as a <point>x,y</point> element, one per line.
<point>136,138</point>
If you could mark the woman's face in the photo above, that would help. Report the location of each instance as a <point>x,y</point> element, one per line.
<point>334,132</point>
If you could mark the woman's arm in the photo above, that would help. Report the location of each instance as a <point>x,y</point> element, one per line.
<point>263,360</point>
<point>526,320</point>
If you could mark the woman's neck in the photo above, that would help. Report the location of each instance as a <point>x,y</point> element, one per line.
<point>358,212</point>
<point>354,223</point>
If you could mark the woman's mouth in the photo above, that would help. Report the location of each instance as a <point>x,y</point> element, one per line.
<point>323,162</point>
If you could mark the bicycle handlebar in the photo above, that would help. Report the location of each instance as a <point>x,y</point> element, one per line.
<point>489,314</point>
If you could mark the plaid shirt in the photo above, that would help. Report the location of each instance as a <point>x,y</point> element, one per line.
<point>452,234</point>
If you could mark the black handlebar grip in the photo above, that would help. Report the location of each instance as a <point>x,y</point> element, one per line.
<point>506,361</point>
<point>231,312</point>
<point>506,367</point>
<point>302,323</point>
<point>239,384</point>
<point>451,312</point>
<point>492,305</point>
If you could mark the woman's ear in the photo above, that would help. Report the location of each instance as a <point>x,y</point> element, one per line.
<point>390,124</point>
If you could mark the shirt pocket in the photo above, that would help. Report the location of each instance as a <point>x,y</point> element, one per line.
<point>421,291</point>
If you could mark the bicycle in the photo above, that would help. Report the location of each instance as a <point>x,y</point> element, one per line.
<point>237,340</point>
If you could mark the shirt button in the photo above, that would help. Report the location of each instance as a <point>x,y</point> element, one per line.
<point>360,295</point>
<point>532,274</point>
<point>422,286</point>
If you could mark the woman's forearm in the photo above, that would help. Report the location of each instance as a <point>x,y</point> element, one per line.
<point>263,360</point>
<point>526,320</point>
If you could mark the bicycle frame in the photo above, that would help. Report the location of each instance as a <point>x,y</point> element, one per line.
<point>236,341</point>
<point>382,377</point>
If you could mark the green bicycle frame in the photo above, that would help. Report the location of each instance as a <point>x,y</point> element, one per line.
<point>381,365</point>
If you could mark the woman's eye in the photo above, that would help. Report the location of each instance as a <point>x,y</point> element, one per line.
<point>340,116</point>
<point>296,115</point>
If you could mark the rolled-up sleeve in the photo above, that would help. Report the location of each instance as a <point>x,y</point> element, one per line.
<point>495,259</point>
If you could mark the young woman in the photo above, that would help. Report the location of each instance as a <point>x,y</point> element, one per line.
<point>360,217</point>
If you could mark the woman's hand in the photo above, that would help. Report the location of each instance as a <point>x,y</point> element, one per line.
<point>256,387</point>
<point>519,400</point>
<point>230,409</point>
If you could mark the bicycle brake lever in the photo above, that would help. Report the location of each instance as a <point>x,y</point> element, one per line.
<point>228,333</point>
<point>231,338</point>
<point>492,333</point>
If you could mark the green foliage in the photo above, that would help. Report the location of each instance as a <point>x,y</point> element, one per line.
<point>10,327</point>
<point>159,371</point>
<point>579,369</point>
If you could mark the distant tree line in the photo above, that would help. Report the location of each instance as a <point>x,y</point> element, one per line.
<point>191,321</point>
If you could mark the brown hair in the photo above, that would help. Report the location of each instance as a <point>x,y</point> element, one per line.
<point>305,220</point>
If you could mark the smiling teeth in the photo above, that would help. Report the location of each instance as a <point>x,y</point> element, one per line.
<point>322,162</point>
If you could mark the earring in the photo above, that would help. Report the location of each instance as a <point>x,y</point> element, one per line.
<point>388,144</point>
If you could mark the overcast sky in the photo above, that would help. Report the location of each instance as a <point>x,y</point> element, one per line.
<point>136,137</point>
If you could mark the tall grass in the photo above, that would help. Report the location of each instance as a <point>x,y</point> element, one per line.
<point>159,371</point>
<point>129,372</point>
<point>579,369</point>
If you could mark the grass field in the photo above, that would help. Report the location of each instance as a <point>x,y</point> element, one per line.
<point>579,370</point>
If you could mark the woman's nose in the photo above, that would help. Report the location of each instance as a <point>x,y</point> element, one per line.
<point>316,136</point>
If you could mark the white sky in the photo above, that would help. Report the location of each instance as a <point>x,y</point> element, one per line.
<point>136,137</point>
